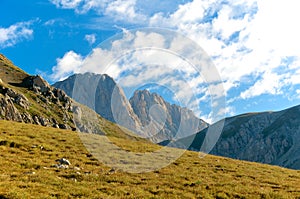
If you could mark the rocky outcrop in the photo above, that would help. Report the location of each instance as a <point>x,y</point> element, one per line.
<point>15,106</point>
<point>8,111</point>
<point>161,120</point>
<point>269,137</point>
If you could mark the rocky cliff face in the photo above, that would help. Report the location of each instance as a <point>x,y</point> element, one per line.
<point>270,137</point>
<point>161,120</point>
<point>102,94</point>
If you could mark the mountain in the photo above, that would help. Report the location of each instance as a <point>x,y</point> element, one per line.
<point>161,120</point>
<point>30,99</point>
<point>39,161</point>
<point>268,137</point>
<point>149,115</point>
<point>102,94</point>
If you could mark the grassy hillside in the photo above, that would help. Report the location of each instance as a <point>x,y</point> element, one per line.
<point>28,151</point>
<point>9,72</point>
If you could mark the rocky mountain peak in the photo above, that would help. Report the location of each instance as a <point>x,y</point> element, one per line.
<point>102,94</point>
<point>162,120</point>
<point>147,114</point>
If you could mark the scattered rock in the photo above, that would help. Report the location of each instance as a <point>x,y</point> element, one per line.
<point>64,126</point>
<point>77,168</point>
<point>36,83</point>
<point>63,161</point>
<point>60,166</point>
<point>30,173</point>
<point>112,171</point>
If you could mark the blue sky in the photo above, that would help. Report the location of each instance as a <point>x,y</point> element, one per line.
<point>254,45</point>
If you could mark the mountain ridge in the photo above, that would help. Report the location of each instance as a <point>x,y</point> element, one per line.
<point>166,121</point>
<point>267,137</point>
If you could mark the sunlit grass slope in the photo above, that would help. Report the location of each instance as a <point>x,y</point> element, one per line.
<point>29,151</point>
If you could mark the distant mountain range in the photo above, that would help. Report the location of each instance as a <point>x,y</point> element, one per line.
<point>145,113</point>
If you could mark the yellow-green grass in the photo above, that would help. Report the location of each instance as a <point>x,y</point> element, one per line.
<point>9,72</point>
<point>28,151</point>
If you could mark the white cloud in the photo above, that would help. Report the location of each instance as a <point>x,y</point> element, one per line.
<point>15,33</point>
<point>124,9</point>
<point>67,4</point>
<point>269,84</point>
<point>67,65</point>
<point>91,38</point>
<point>244,38</point>
<point>293,78</point>
<point>298,93</point>
<point>115,10</point>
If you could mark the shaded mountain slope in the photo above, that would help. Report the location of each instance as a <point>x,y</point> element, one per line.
<point>269,137</point>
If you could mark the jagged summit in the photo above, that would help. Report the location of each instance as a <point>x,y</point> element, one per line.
<point>148,114</point>
<point>30,99</point>
<point>162,120</point>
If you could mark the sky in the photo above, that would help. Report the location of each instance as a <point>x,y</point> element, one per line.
<point>252,46</point>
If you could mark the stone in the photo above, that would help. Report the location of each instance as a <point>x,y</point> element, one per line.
<point>63,161</point>
<point>64,126</point>
<point>41,84</point>
<point>8,110</point>
<point>60,166</point>
<point>36,83</point>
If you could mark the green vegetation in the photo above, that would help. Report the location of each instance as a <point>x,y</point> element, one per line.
<point>28,152</point>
